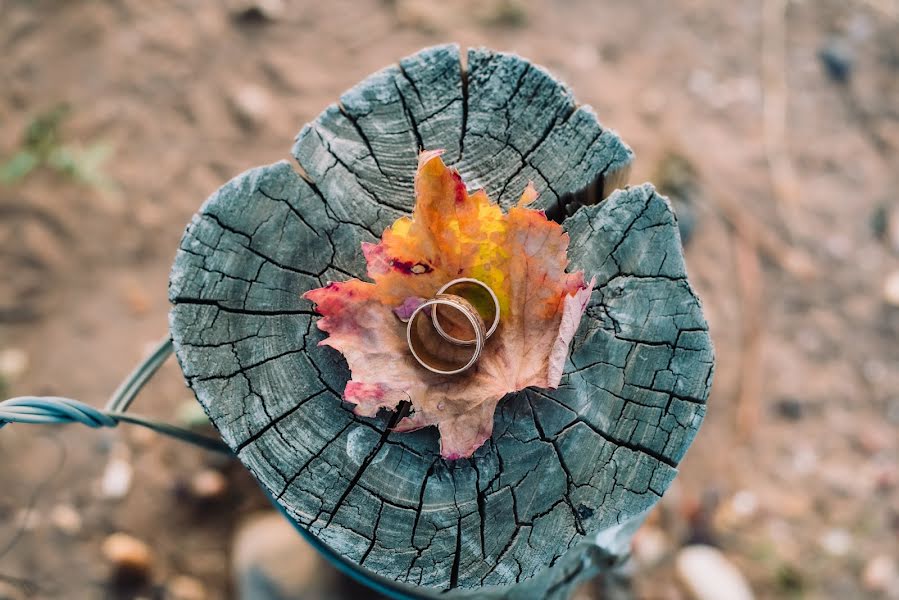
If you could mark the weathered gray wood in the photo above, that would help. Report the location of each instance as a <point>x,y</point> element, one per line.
<point>568,473</point>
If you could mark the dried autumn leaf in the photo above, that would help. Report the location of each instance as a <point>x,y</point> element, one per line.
<point>520,254</point>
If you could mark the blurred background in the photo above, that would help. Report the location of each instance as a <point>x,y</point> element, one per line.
<point>772,125</point>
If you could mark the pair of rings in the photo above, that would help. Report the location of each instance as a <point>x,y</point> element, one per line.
<point>457,314</point>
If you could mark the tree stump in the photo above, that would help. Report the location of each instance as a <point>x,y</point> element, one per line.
<point>569,474</point>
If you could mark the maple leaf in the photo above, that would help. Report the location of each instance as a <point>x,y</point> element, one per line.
<point>520,254</point>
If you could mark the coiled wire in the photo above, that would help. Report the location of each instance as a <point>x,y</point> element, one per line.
<point>45,410</point>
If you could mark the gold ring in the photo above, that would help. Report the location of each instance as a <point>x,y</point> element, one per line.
<point>430,351</point>
<point>478,294</point>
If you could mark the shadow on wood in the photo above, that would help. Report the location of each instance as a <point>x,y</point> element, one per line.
<point>568,475</point>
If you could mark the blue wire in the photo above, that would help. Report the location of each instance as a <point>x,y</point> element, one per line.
<point>52,409</point>
<point>49,410</point>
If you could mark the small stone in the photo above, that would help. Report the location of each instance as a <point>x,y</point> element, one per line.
<point>838,59</point>
<point>881,576</point>
<point>838,246</point>
<point>129,557</point>
<point>66,519</point>
<point>836,542</point>
<point>257,11</point>
<point>891,289</point>
<point>804,460</point>
<point>183,587</point>
<point>736,511</point>
<point>208,484</point>
<point>268,552</point>
<point>650,545</point>
<point>789,409</point>
<point>116,481</point>
<point>252,104</point>
<point>708,575</point>
<point>13,363</point>
<point>744,504</point>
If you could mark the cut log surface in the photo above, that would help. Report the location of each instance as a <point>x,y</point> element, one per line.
<point>568,473</point>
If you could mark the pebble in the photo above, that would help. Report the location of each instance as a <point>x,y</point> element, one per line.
<point>129,557</point>
<point>838,59</point>
<point>736,511</point>
<point>839,246</point>
<point>891,289</point>
<point>258,10</point>
<point>836,542</point>
<point>252,104</point>
<point>708,575</point>
<point>268,552</point>
<point>66,519</point>
<point>881,576</point>
<point>789,409</point>
<point>208,484</point>
<point>116,481</point>
<point>650,546</point>
<point>13,363</point>
<point>804,460</point>
<point>184,587</point>
<point>744,504</point>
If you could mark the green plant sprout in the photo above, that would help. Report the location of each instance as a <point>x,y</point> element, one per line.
<point>42,146</point>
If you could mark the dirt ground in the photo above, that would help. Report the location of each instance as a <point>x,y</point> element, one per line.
<point>795,473</point>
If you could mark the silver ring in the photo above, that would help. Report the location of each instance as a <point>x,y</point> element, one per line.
<point>438,360</point>
<point>460,282</point>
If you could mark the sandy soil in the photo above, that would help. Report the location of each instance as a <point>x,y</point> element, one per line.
<point>802,496</point>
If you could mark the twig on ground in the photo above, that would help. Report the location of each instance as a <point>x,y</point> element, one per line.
<point>774,109</point>
<point>792,260</point>
<point>751,285</point>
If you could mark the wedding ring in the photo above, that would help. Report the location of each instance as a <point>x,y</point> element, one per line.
<point>478,294</point>
<point>431,351</point>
